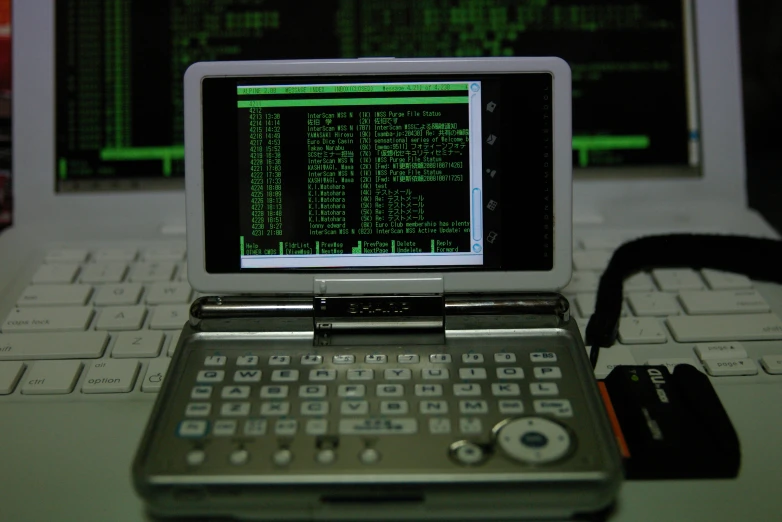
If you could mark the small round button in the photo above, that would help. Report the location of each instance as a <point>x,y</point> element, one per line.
<point>369,456</point>
<point>533,440</point>
<point>195,457</point>
<point>467,453</point>
<point>326,456</point>
<point>239,457</point>
<point>282,457</point>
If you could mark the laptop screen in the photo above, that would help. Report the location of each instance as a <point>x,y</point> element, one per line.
<point>119,121</point>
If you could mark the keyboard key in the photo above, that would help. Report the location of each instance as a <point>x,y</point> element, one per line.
<point>510,373</point>
<point>659,304</point>
<point>54,295</point>
<point>510,407</point>
<point>235,392</point>
<point>10,372</point>
<point>739,327</point>
<point>354,408</point>
<point>470,426</point>
<point>274,391</point>
<point>473,407</point>
<point>275,408</point>
<point>472,358</point>
<point>378,426</point>
<point>210,376</point>
<point>428,390</point>
<point>323,375</point>
<point>472,373</point>
<point>215,360</point>
<point>169,317</point>
<point>772,364</point>
<point>440,358</point>
<point>439,425</point>
<point>48,319</point>
<point>435,373</point>
<point>641,330</point>
<point>723,302</point>
<point>398,374</point>
<point>312,391</point>
<point>201,392</point>
<point>81,345</point>
<point>317,427</point>
<point>351,390</point>
<point>610,358</point>
<point>343,359</point>
<point>558,408</point>
<point>375,358</point>
<point>360,374</point>
<point>502,389</point>
<point>121,318</point>
<point>105,272</point>
<point>247,376</point>
<point>285,375</point>
<point>314,408</point>
<point>543,357</point>
<point>712,351</point>
<point>393,407</point>
<point>51,377</point>
<point>156,371</point>
<point>674,279</point>
<point>640,282</point>
<point>718,280</point>
<point>151,272</point>
<point>547,372</point>
<point>236,409</point>
<point>173,341</point>
<point>407,359</point>
<point>504,358</point>
<point>390,390</point>
<point>110,377</point>
<point>286,427</point>
<point>279,360</point>
<point>311,359</point>
<point>192,428</point>
<point>172,253</point>
<point>168,293</point>
<point>591,259</point>
<point>727,367</point>
<point>118,294</point>
<point>466,389</point>
<point>255,427</point>
<point>67,255</point>
<point>115,254</point>
<point>247,360</point>
<point>433,407</point>
<point>543,388</point>
<point>224,428</point>
<point>56,273</point>
<point>198,409</point>
<point>143,343</point>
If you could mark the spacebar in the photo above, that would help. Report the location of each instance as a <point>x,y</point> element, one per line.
<point>740,327</point>
<point>81,345</point>
<point>378,426</point>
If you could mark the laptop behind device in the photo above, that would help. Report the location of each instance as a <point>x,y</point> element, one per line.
<point>46,437</point>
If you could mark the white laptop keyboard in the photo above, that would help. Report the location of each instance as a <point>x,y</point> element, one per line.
<point>106,321</point>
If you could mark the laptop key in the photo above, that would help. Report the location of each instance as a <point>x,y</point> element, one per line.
<point>673,279</point>
<point>723,302</point>
<point>48,319</point>
<point>169,317</point>
<point>67,255</point>
<point>144,343</point>
<point>121,318</point>
<point>10,372</point>
<point>81,345</point>
<point>150,272</point>
<point>104,272</point>
<point>118,294</point>
<point>168,293</point>
<point>110,377</point>
<point>156,371</point>
<point>56,273</point>
<point>51,377</point>
<point>739,327</point>
<point>115,254</point>
<point>54,295</point>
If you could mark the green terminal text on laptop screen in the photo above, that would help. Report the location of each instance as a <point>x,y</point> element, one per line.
<point>120,67</point>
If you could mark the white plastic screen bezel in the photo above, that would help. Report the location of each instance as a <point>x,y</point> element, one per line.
<point>456,281</point>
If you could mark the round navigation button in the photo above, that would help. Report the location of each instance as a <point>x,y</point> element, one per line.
<point>282,457</point>
<point>533,440</point>
<point>326,456</point>
<point>195,457</point>
<point>239,457</point>
<point>369,456</point>
<point>467,453</point>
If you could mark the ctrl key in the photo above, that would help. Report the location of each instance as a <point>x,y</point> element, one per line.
<point>51,377</point>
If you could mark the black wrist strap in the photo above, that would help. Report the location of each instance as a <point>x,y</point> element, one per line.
<point>759,259</point>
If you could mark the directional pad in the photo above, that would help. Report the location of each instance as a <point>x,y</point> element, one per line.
<point>533,440</point>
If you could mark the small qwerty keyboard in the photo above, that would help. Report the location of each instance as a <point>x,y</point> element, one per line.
<point>266,408</point>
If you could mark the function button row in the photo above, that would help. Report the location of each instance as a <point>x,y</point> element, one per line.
<point>439,358</point>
